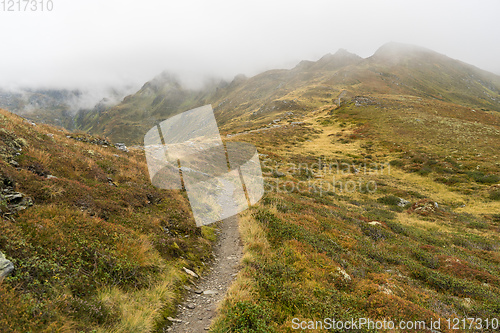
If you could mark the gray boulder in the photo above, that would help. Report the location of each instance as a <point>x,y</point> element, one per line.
<point>6,266</point>
<point>121,146</point>
<point>402,202</point>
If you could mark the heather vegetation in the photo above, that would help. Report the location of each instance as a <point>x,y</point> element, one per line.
<point>382,201</point>
<point>98,248</point>
<point>424,245</point>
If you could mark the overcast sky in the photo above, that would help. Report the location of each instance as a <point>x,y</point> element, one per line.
<point>83,43</point>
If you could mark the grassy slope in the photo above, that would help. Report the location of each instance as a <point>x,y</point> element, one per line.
<point>136,114</point>
<point>100,249</point>
<point>412,266</point>
<point>298,245</point>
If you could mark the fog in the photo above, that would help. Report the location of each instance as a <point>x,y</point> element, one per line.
<point>92,45</point>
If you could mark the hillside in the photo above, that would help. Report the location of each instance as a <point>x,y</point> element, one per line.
<point>95,246</point>
<point>136,114</point>
<point>382,181</point>
<point>45,106</point>
<point>385,208</point>
<point>395,69</point>
<point>58,106</point>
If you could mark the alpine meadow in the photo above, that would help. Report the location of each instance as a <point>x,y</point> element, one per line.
<point>382,204</point>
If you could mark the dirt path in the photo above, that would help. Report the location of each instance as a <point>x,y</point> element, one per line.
<point>198,310</point>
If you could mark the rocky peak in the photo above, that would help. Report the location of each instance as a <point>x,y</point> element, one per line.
<point>337,60</point>
<point>395,52</point>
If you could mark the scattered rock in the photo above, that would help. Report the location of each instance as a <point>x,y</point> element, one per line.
<point>344,274</point>
<point>90,139</point>
<point>51,177</point>
<point>16,196</point>
<point>174,320</point>
<point>190,306</point>
<point>362,100</point>
<point>210,292</point>
<point>341,279</point>
<point>110,182</point>
<point>467,302</point>
<point>6,266</point>
<point>14,163</point>
<point>385,290</point>
<point>122,147</point>
<point>402,202</point>
<point>29,122</point>
<point>12,202</point>
<point>374,223</point>
<point>424,207</point>
<point>190,272</point>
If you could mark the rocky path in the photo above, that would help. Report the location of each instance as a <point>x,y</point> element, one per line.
<point>198,310</point>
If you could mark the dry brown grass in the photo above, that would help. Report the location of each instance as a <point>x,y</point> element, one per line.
<point>140,310</point>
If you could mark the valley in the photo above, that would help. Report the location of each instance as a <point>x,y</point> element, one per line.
<point>382,179</point>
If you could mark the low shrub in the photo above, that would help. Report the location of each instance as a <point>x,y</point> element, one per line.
<point>480,177</point>
<point>495,195</point>
<point>248,317</point>
<point>389,200</point>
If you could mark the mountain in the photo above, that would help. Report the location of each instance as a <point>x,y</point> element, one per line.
<point>58,106</point>
<point>382,201</point>
<point>394,69</point>
<point>45,106</point>
<point>157,99</point>
<point>421,72</point>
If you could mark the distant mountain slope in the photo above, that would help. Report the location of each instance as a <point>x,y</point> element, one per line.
<point>421,72</point>
<point>58,106</point>
<point>156,100</point>
<point>395,69</point>
<point>45,106</point>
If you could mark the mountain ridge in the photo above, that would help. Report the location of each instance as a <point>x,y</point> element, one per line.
<point>394,69</point>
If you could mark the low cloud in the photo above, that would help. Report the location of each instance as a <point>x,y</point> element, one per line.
<point>91,45</point>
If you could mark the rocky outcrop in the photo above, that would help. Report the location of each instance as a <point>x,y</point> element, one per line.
<point>12,202</point>
<point>89,139</point>
<point>425,207</point>
<point>6,266</point>
<point>121,146</point>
